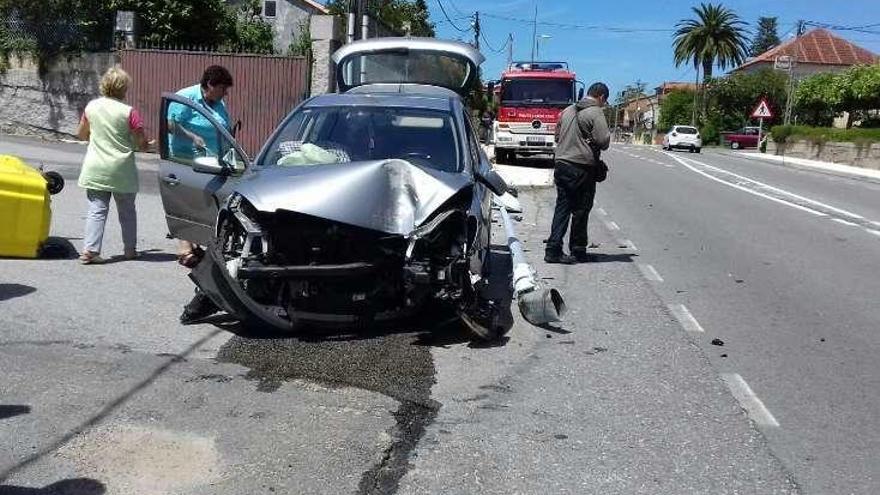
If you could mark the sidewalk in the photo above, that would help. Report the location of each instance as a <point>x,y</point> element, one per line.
<point>51,154</point>
<point>814,164</point>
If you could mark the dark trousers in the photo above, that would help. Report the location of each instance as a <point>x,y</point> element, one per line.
<point>575,191</point>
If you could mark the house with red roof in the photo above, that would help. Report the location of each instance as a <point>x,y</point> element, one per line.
<point>815,51</point>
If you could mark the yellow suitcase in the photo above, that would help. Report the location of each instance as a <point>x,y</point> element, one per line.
<point>25,214</point>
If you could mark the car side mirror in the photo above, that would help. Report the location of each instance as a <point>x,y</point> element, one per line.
<point>580,94</point>
<point>493,181</point>
<point>208,165</point>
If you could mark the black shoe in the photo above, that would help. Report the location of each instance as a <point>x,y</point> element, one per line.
<point>560,258</point>
<point>581,256</point>
<point>199,308</point>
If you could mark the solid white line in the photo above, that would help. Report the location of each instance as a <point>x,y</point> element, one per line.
<point>845,222</point>
<point>789,193</point>
<point>613,226</point>
<point>875,232</point>
<point>756,193</point>
<point>601,211</point>
<point>685,318</point>
<point>649,272</point>
<point>748,400</point>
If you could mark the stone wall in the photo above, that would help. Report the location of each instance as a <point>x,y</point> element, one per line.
<point>49,105</point>
<point>859,155</point>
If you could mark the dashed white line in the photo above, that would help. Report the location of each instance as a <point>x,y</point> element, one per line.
<point>685,318</point>
<point>741,188</point>
<point>748,400</point>
<point>613,226</point>
<point>649,272</point>
<point>845,222</point>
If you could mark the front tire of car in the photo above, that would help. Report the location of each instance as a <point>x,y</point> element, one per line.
<point>734,145</point>
<point>697,150</point>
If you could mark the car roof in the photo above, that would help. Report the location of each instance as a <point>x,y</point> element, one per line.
<point>420,100</point>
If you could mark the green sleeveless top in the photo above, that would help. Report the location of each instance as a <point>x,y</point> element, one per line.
<point>109,162</point>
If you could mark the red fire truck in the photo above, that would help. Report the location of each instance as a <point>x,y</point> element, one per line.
<point>531,97</point>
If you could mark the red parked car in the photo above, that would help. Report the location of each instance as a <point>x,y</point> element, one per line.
<point>747,137</point>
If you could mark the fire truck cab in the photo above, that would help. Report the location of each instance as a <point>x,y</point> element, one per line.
<point>531,97</point>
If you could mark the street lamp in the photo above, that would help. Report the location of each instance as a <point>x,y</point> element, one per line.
<point>538,43</point>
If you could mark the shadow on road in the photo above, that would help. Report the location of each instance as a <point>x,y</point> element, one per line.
<point>74,486</point>
<point>611,258</point>
<point>102,414</point>
<point>9,411</point>
<point>11,291</point>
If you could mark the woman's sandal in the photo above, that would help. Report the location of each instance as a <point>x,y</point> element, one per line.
<point>90,258</point>
<point>191,258</point>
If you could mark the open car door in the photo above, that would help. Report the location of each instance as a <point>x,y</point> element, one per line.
<point>200,164</point>
<point>428,61</point>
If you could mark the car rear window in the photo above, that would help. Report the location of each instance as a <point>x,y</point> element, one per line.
<point>686,130</point>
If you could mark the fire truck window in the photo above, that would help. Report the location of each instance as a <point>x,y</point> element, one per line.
<point>538,91</point>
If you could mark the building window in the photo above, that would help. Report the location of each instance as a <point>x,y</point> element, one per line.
<point>269,8</point>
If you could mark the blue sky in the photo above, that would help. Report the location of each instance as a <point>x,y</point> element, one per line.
<point>642,50</point>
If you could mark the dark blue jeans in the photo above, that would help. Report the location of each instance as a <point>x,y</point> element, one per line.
<point>575,191</point>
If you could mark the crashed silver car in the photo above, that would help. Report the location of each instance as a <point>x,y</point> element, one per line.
<point>364,205</point>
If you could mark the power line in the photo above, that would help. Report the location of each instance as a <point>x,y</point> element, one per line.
<point>489,45</point>
<point>615,29</point>
<point>449,20</point>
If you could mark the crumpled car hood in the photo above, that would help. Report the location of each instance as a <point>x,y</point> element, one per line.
<point>391,196</point>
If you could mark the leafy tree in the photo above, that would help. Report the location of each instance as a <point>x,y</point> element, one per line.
<point>301,44</point>
<point>816,99</point>
<point>731,99</point>
<point>766,37</point>
<point>252,33</point>
<point>856,91</point>
<point>397,14</point>
<point>676,108</point>
<point>716,37</point>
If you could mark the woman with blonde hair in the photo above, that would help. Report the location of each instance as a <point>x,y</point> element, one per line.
<point>114,131</point>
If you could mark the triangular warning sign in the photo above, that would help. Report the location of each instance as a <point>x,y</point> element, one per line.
<point>762,111</point>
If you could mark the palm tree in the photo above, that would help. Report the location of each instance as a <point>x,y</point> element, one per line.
<point>715,37</point>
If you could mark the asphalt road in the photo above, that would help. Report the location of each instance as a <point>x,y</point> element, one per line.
<point>102,391</point>
<point>782,265</point>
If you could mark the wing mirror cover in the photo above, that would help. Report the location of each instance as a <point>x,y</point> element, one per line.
<point>493,180</point>
<point>208,165</point>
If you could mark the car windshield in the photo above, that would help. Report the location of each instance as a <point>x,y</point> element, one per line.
<point>314,136</point>
<point>545,91</point>
<point>686,130</point>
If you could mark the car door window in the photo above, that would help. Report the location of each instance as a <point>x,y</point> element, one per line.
<point>190,132</point>
<point>473,146</point>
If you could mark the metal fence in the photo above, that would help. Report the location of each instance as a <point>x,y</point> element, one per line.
<point>265,89</point>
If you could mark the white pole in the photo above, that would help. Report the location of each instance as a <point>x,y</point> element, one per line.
<point>760,131</point>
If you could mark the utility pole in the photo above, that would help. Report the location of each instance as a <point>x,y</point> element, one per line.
<point>477,30</point>
<point>509,49</point>
<point>792,60</point>
<point>535,32</point>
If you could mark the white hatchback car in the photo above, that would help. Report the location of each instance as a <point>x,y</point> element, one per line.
<point>683,136</point>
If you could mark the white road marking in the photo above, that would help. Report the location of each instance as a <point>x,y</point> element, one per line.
<point>783,191</point>
<point>685,318</point>
<point>629,244</point>
<point>845,222</point>
<point>649,272</point>
<point>748,400</point>
<point>741,188</point>
<point>601,211</point>
<point>876,223</point>
<point>613,225</point>
<point>875,232</point>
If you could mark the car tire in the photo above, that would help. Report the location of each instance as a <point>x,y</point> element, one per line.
<point>697,150</point>
<point>734,145</point>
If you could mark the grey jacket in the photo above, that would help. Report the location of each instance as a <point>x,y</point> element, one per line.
<point>578,124</point>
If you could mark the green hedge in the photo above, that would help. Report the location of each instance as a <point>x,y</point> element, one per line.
<point>819,135</point>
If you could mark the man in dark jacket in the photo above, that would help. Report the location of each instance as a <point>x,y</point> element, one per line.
<point>580,136</point>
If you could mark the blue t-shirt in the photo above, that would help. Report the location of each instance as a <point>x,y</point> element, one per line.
<point>196,123</point>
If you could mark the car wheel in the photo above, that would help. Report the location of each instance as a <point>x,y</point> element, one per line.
<point>734,145</point>
<point>697,150</point>
<point>499,156</point>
